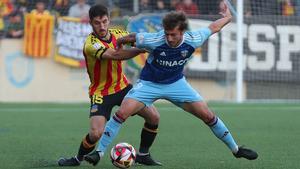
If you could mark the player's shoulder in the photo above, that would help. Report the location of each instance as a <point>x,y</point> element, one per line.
<point>197,37</point>
<point>152,36</point>
<point>159,34</point>
<point>151,40</point>
<point>92,42</point>
<point>118,32</point>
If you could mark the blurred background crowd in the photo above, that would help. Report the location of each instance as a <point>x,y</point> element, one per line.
<point>12,11</point>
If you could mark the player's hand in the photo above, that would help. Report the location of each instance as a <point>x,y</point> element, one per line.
<point>224,9</point>
<point>119,43</point>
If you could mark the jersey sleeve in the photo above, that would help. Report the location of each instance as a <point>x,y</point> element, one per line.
<point>94,49</point>
<point>124,33</point>
<point>119,32</point>
<point>198,37</point>
<point>149,41</point>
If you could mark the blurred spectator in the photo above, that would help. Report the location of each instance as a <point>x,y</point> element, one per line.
<point>145,6</point>
<point>160,6</point>
<point>31,4</point>
<point>62,7</point>
<point>79,10</point>
<point>40,8</point>
<point>15,26</point>
<point>21,6</point>
<point>173,4</point>
<point>188,7</point>
<point>287,8</point>
<point>6,7</point>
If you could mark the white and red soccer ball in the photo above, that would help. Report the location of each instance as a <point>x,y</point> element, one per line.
<point>122,155</point>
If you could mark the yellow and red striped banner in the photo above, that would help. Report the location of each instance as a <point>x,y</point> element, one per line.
<point>38,35</point>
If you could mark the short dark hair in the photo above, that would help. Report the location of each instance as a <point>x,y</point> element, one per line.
<point>14,13</point>
<point>174,19</point>
<point>98,10</point>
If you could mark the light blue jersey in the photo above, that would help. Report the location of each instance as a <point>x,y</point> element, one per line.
<point>165,64</point>
<point>162,78</point>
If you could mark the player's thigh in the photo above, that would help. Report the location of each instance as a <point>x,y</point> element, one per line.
<point>103,105</point>
<point>180,92</point>
<point>97,125</point>
<point>145,92</point>
<point>199,109</point>
<point>150,114</point>
<point>100,112</point>
<point>100,107</point>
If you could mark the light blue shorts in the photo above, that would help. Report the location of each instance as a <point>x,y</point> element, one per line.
<point>178,92</point>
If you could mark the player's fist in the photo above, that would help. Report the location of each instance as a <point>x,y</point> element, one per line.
<point>224,9</point>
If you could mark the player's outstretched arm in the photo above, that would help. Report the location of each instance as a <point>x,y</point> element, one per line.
<point>128,39</point>
<point>121,54</point>
<point>217,25</point>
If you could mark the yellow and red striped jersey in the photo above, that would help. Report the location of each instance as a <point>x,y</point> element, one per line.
<point>106,75</point>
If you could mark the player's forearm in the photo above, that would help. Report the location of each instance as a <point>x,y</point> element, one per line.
<point>124,54</point>
<point>127,39</point>
<point>217,25</point>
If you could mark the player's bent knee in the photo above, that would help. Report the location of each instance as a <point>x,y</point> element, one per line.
<point>210,120</point>
<point>207,116</point>
<point>153,115</point>
<point>154,119</point>
<point>95,134</point>
<point>123,115</point>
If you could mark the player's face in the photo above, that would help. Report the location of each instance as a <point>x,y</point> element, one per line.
<point>174,36</point>
<point>100,25</point>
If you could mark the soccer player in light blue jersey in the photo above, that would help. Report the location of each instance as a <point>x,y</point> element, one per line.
<point>162,78</point>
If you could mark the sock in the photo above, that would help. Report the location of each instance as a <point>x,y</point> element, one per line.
<point>221,131</point>
<point>86,147</point>
<point>110,132</point>
<point>148,135</point>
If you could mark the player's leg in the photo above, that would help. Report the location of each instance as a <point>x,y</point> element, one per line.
<point>128,107</point>
<point>202,111</point>
<point>148,134</point>
<point>135,100</point>
<point>88,143</point>
<point>99,113</point>
<point>183,95</point>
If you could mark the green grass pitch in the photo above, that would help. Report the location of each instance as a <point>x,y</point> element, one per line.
<point>36,135</point>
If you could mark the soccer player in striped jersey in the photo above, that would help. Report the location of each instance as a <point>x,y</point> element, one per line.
<point>162,78</point>
<point>109,86</point>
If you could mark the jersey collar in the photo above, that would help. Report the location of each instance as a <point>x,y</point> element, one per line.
<point>177,45</point>
<point>107,41</point>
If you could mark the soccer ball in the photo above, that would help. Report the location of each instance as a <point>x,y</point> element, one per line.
<point>122,155</point>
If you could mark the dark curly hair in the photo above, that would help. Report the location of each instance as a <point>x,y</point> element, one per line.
<point>174,19</point>
<point>98,10</point>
